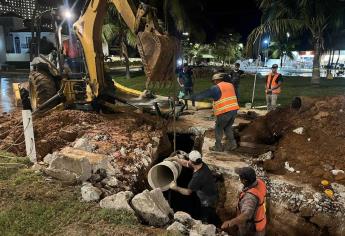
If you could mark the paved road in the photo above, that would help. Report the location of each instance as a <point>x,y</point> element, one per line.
<point>7,102</point>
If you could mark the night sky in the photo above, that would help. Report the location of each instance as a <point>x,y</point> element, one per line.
<point>218,16</point>
<point>242,16</point>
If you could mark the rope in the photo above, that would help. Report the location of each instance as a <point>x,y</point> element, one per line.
<point>174,116</point>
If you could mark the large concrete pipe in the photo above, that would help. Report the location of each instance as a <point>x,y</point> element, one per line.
<point>302,103</point>
<point>162,174</point>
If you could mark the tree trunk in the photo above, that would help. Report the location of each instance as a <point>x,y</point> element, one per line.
<point>329,63</point>
<point>125,55</point>
<point>281,61</point>
<point>315,79</point>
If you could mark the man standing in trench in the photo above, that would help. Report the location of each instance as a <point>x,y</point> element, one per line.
<point>203,183</point>
<point>225,108</point>
<point>251,210</point>
<point>274,82</point>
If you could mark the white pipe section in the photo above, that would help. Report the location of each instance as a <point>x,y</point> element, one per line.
<point>162,174</point>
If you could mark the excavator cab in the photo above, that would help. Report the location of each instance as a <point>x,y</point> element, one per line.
<point>50,85</point>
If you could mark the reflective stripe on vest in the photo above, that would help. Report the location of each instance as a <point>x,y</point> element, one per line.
<point>227,101</point>
<point>258,191</point>
<point>272,82</point>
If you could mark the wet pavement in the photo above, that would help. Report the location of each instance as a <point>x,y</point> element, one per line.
<point>7,101</point>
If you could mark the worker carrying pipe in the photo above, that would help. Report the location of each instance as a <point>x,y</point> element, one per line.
<point>251,210</point>
<point>202,183</point>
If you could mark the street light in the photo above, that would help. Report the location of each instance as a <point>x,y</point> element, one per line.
<point>185,33</point>
<point>267,42</point>
<point>288,35</point>
<point>67,14</point>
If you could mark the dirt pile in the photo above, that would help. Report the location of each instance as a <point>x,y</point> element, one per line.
<point>60,128</point>
<point>310,154</point>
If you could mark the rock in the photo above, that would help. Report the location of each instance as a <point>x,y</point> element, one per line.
<point>320,115</point>
<point>49,158</point>
<point>63,175</point>
<point>83,144</point>
<point>183,218</point>
<point>97,161</point>
<point>119,201</point>
<point>64,167</point>
<point>111,181</point>
<point>152,207</point>
<point>336,172</point>
<point>178,228</point>
<point>298,130</point>
<point>90,193</point>
<point>288,167</point>
<point>203,230</point>
<point>266,156</point>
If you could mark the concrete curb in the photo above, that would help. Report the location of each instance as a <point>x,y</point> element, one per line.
<point>198,105</point>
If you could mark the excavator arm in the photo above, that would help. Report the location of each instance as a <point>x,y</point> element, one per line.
<point>157,50</point>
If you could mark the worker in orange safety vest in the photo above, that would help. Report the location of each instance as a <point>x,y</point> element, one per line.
<point>273,85</point>
<point>225,109</point>
<point>251,211</point>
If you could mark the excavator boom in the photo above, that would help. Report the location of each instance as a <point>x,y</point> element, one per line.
<point>157,50</point>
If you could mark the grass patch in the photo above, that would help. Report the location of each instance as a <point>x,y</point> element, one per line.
<point>31,205</point>
<point>292,86</point>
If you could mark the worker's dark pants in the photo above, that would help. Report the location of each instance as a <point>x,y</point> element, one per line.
<point>224,124</point>
<point>237,92</point>
<point>208,215</point>
<point>188,91</point>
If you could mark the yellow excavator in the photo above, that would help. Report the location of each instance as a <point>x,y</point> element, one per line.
<point>50,85</point>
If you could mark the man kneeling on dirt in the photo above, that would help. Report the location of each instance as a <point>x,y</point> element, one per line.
<point>225,108</point>
<point>203,183</point>
<point>251,209</point>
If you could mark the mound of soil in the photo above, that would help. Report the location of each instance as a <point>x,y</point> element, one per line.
<point>57,129</point>
<point>315,152</point>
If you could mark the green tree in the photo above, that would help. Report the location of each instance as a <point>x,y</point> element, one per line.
<point>317,17</point>
<point>227,48</point>
<point>282,50</point>
<point>113,29</point>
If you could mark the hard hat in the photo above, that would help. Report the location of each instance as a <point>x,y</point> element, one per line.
<point>219,76</point>
<point>194,156</point>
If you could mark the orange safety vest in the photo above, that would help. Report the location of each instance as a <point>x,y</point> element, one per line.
<point>228,100</point>
<point>272,82</point>
<point>258,191</point>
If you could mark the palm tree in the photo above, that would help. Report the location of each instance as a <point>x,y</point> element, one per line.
<point>315,17</point>
<point>280,49</point>
<point>115,29</point>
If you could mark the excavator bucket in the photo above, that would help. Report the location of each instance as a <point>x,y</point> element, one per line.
<point>158,53</point>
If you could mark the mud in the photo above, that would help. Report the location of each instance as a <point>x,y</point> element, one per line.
<point>312,154</point>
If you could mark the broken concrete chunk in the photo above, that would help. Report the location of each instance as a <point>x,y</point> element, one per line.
<point>288,167</point>
<point>298,130</point>
<point>183,218</point>
<point>178,228</point>
<point>111,181</point>
<point>152,207</point>
<point>84,144</point>
<point>49,158</point>
<point>90,193</point>
<point>320,115</point>
<point>203,230</point>
<point>337,172</point>
<point>78,166</point>
<point>119,201</point>
<point>266,156</point>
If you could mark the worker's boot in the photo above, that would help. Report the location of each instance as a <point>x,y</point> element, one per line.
<point>230,146</point>
<point>217,148</point>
